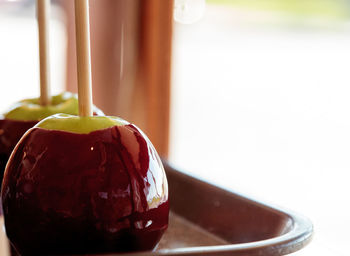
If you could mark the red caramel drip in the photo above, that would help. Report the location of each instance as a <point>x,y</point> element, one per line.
<point>66,193</point>
<point>139,199</point>
<point>10,133</point>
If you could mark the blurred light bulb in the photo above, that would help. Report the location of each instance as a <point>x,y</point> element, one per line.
<point>189,11</point>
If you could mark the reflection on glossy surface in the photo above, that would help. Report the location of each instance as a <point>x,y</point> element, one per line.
<point>66,193</point>
<point>10,133</point>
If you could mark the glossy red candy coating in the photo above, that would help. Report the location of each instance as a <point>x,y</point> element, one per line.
<point>10,133</point>
<point>67,193</point>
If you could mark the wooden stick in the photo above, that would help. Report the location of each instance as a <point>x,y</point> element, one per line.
<point>43,8</point>
<point>83,57</point>
<point>4,245</point>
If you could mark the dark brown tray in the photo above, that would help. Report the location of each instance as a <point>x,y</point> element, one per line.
<point>207,220</point>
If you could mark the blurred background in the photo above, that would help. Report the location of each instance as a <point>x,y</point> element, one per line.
<point>253,96</point>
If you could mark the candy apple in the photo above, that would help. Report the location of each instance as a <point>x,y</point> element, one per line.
<point>76,185</point>
<point>25,114</point>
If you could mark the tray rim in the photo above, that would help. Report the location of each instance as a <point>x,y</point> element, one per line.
<point>293,240</point>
